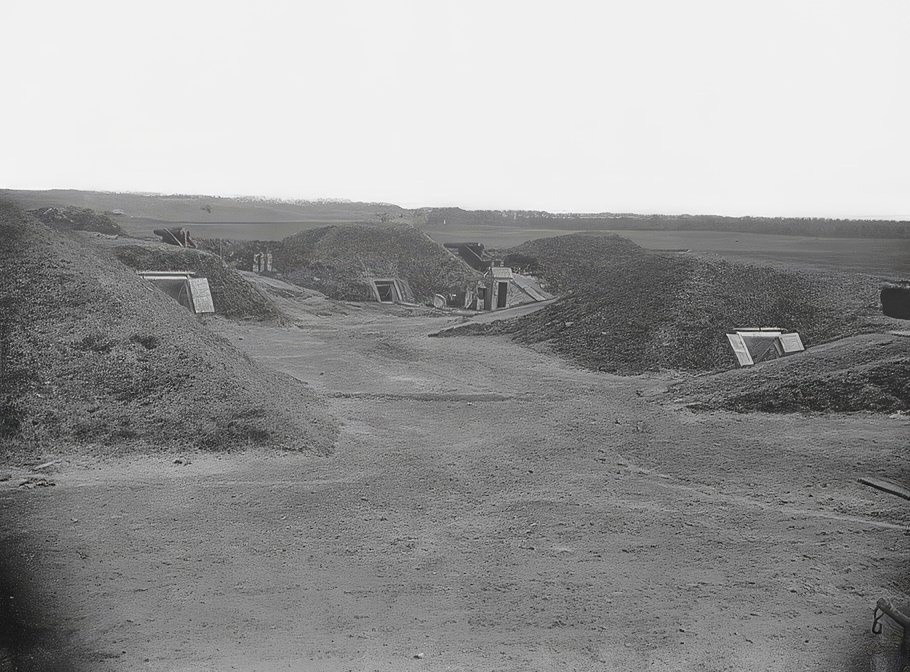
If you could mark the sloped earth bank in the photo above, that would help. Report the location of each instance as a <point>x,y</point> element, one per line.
<point>628,311</point>
<point>870,372</point>
<point>340,261</point>
<point>232,296</point>
<point>488,507</point>
<point>95,360</point>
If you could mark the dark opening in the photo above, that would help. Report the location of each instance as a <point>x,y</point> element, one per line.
<point>896,302</point>
<point>386,292</point>
<point>503,295</point>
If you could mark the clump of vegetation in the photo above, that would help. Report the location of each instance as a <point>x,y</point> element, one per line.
<point>81,219</point>
<point>249,427</point>
<point>147,341</point>
<point>95,342</point>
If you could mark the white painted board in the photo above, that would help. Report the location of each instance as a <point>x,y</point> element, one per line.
<point>201,295</point>
<point>791,343</point>
<point>740,349</point>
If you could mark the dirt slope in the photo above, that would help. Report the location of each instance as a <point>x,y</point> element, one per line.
<point>862,373</point>
<point>339,260</point>
<point>94,358</point>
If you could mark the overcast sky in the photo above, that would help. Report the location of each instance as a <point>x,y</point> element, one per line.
<point>778,107</point>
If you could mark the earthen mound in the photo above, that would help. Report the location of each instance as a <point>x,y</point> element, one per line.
<point>627,310</point>
<point>341,261</point>
<point>94,358</point>
<point>77,219</point>
<point>233,296</point>
<point>862,373</point>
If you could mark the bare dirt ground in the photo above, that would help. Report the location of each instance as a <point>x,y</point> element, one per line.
<point>488,507</point>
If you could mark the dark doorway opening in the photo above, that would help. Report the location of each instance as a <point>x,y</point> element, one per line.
<point>386,291</point>
<point>502,295</point>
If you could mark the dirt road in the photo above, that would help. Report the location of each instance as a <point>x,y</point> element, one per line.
<point>489,507</point>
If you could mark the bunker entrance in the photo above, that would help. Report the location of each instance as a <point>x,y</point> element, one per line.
<point>176,289</point>
<point>386,291</point>
<point>189,292</point>
<point>502,295</point>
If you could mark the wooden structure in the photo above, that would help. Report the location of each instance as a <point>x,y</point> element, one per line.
<point>190,292</point>
<point>754,345</point>
<point>502,288</point>
<point>262,262</point>
<point>387,290</point>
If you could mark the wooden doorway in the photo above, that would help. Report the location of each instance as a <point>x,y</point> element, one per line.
<point>387,291</point>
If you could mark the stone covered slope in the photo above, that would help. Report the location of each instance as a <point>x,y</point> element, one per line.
<point>340,260</point>
<point>96,359</point>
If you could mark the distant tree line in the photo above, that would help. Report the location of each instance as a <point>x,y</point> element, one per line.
<point>452,218</point>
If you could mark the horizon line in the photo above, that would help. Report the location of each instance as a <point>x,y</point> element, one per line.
<point>555,212</point>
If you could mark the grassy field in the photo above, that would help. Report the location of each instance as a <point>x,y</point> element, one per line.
<point>877,256</point>
<point>202,209</point>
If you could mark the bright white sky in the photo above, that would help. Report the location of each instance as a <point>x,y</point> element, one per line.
<point>778,107</point>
